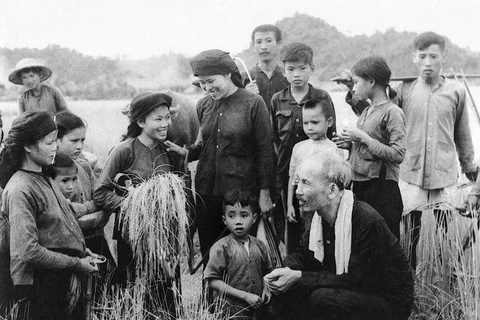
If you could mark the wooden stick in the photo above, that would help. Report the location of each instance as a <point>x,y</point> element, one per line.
<point>244,67</point>
<point>411,78</point>
<point>474,106</point>
<point>283,198</point>
<point>89,297</point>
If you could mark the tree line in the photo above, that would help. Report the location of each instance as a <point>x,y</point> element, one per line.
<point>81,76</point>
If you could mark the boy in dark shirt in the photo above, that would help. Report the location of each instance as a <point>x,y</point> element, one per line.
<point>239,261</point>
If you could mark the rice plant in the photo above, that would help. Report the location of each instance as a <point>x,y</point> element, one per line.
<point>447,274</point>
<point>155,222</point>
<point>14,311</point>
<point>126,303</point>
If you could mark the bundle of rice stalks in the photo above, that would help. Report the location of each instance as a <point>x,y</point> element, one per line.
<point>154,222</point>
<point>12,311</point>
<point>448,285</point>
<point>467,271</point>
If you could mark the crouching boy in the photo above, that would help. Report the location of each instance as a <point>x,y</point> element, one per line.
<point>239,261</point>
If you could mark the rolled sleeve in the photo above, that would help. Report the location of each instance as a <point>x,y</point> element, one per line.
<point>217,263</point>
<point>463,136</point>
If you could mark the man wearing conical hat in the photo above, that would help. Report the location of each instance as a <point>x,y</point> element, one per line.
<point>31,73</point>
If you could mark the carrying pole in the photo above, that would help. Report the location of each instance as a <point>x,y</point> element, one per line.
<point>89,297</point>
<point>474,106</point>
<point>446,75</point>
<point>244,67</point>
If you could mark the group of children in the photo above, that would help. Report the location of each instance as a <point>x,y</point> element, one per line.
<point>57,209</point>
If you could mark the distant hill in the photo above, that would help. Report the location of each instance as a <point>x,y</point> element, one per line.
<point>334,51</point>
<point>77,75</point>
<point>84,77</point>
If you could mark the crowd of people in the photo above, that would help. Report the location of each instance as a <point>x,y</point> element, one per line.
<point>267,145</point>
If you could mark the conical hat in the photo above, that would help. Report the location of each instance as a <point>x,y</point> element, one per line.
<point>16,76</point>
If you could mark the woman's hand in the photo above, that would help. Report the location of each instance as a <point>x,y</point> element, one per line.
<point>79,209</point>
<point>92,254</point>
<point>354,134</point>
<point>253,87</point>
<point>341,142</point>
<point>86,265</point>
<point>265,202</point>
<point>291,216</point>
<point>181,151</point>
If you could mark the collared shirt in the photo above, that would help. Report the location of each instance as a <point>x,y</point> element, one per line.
<point>230,262</point>
<point>138,162</point>
<point>49,99</point>
<point>377,264</point>
<point>41,226</point>
<point>236,147</point>
<point>268,86</point>
<point>385,123</point>
<point>436,124</point>
<point>287,125</point>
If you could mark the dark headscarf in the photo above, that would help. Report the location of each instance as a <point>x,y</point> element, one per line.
<point>141,106</point>
<point>212,62</point>
<point>216,62</point>
<point>29,128</point>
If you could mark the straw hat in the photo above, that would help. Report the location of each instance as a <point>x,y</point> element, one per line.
<point>16,76</point>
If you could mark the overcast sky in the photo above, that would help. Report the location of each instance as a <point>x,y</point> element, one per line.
<point>145,28</point>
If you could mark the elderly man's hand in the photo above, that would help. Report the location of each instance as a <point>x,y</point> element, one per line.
<point>282,279</point>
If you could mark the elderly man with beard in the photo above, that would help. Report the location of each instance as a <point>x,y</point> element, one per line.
<point>349,265</point>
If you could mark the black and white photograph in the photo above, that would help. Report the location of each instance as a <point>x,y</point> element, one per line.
<point>244,160</point>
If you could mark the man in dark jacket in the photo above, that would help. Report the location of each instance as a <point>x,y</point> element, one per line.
<point>350,265</point>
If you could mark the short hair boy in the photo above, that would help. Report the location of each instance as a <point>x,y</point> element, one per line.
<point>239,261</point>
<point>64,172</point>
<point>31,73</point>
<point>287,121</point>
<point>317,118</point>
<point>426,39</point>
<point>267,75</point>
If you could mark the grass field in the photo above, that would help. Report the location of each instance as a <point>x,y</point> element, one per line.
<point>447,286</point>
<point>106,123</point>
